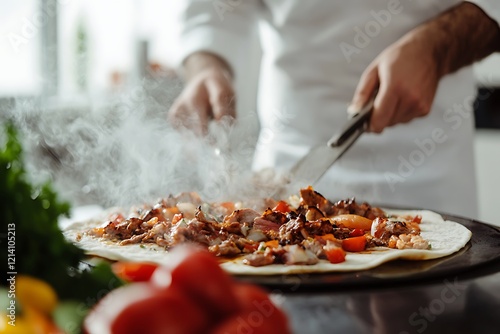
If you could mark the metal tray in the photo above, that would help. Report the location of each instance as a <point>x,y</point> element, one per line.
<point>483,249</point>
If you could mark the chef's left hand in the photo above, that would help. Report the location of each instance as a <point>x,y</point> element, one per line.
<point>406,75</point>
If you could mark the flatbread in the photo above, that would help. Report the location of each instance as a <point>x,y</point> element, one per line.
<point>446,237</point>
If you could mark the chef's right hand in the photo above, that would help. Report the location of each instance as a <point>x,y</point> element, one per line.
<point>208,95</point>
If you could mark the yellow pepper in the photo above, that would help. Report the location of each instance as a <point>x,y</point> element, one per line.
<point>35,293</point>
<point>31,321</point>
<point>22,326</point>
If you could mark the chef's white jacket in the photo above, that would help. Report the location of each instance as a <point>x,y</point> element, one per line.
<point>314,53</point>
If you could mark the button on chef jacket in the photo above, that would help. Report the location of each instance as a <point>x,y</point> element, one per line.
<point>313,54</point>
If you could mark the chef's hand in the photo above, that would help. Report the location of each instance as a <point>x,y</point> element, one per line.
<point>209,94</point>
<point>407,73</point>
<point>406,76</point>
<point>191,294</point>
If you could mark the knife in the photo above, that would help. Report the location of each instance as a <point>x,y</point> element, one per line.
<point>314,164</point>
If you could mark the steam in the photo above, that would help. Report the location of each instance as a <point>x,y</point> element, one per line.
<point>123,152</point>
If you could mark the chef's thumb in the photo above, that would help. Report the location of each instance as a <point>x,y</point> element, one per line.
<point>366,88</point>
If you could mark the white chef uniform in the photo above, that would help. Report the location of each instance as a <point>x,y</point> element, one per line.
<point>314,53</point>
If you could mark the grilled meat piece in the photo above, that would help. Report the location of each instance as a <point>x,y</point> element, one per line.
<point>319,227</point>
<point>134,239</point>
<point>157,211</point>
<point>181,233</point>
<point>259,259</point>
<point>269,228</point>
<point>350,206</point>
<point>205,217</point>
<point>384,228</point>
<point>311,198</point>
<point>298,229</point>
<point>234,222</point>
<point>295,254</point>
<point>242,216</point>
<point>275,217</point>
<point>225,248</point>
<point>315,246</point>
<point>270,223</point>
<point>125,229</point>
<point>405,241</point>
<point>195,231</point>
<point>313,213</point>
<point>341,232</point>
<point>158,233</point>
<point>396,234</point>
<point>293,232</point>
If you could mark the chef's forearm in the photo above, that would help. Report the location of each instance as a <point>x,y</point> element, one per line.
<point>201,61</point>
<point>461,35</point>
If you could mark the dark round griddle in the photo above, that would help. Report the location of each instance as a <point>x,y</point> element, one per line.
<point>481,251</point>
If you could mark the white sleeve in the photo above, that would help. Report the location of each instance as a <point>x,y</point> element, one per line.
<point>490,7</point>
<point>221,27</point>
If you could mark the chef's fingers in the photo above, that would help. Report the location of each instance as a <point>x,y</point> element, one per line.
<point>412,106</point>
<point>191,111</point>
<point>385,106</point>
<point>258,314</point>
<point>198,275</point>
<point>222,98</point>
<point>367,85</point>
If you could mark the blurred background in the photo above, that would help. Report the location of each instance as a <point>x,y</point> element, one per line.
<point>74,54</point>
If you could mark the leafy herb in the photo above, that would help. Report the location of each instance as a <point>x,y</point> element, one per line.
<point>28,219</point>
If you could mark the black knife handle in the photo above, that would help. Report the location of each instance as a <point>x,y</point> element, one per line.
<point>358,121</point>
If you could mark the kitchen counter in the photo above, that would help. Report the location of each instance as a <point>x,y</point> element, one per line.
<point>468,303</point>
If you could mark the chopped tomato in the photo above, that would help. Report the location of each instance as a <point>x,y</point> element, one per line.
<point>272,243</point>
<point>254,301</point>
<point>282,207</point>
<point>357,232</point>
<point>335,254</point>
<point>177,217</point>
<point>149,310</point>
<point>250,248</point>
<point>356,244</point>
<point>325,237</point>
<point>417,219</point>
<point>185,276</point>
<point>134,271</point>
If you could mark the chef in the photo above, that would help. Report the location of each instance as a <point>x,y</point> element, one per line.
<point>318,57</point>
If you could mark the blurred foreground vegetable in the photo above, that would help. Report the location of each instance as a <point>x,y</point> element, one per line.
<point>190,295</point>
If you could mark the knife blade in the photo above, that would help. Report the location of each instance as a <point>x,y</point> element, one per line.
<point>308,170</point>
